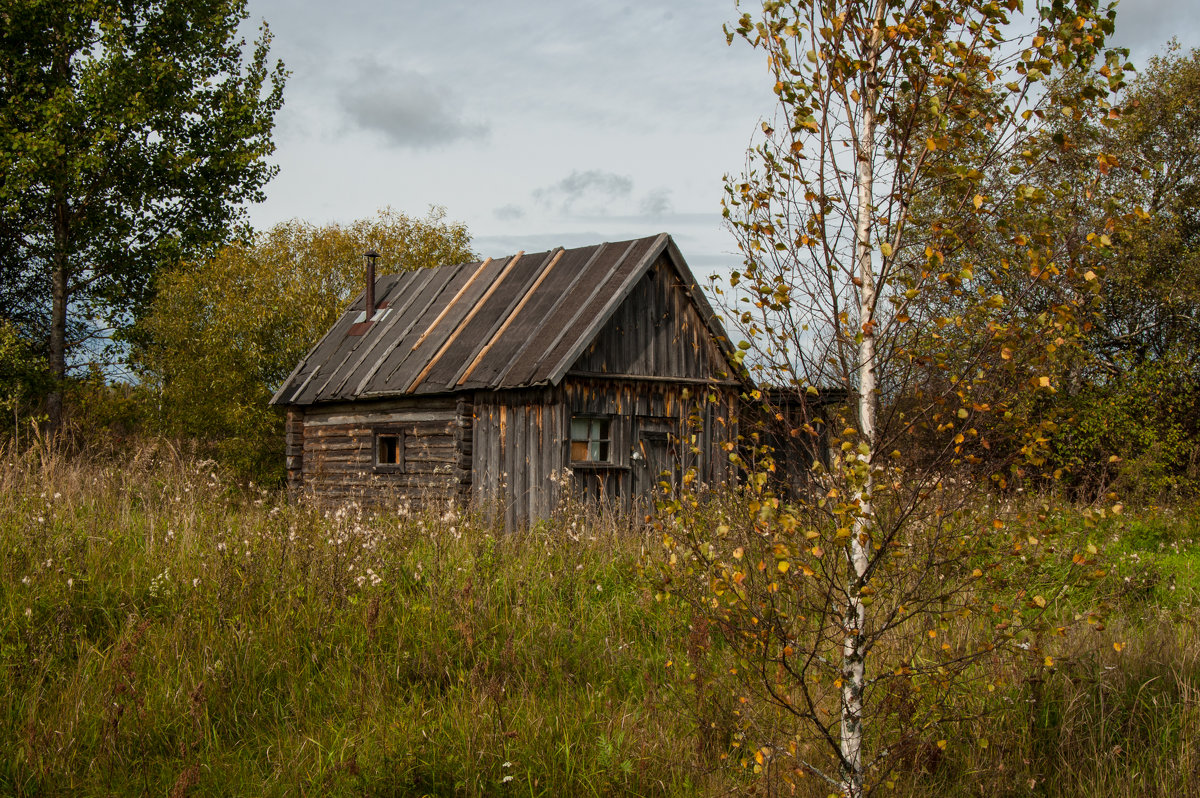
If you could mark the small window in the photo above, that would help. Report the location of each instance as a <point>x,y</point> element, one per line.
<point>590,440</point>
<point>389,451</point>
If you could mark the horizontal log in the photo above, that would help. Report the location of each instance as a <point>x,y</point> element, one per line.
<point>426,457</point>
<point>362,418</point>
<point>443,449</point>
<point>422,404</point>
<point>339,446</point>
<point>437,489</point>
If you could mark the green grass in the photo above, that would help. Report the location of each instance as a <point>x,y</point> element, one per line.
<point>161,631</point>
<point>164,633</point>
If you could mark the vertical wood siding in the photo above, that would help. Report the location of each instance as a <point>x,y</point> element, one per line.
<point>656,332</point>
<point>519,446</point>
<point>521,443</point>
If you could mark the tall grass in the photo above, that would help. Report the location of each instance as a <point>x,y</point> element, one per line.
<point>163,632</point>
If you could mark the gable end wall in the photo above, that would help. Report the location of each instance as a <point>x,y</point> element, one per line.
<point>656,332</point>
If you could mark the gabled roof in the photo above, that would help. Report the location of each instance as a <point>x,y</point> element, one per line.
<point>519,321</point>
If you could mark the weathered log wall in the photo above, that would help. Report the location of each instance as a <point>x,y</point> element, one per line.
<point>339,450</point>
<point>294,447</point>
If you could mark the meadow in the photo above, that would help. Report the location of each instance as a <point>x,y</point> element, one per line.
<point>166,632</point>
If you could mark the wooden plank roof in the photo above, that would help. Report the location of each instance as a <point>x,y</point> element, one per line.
<point>512,322</point>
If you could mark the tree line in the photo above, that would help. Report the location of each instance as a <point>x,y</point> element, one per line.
<point>134,136</point>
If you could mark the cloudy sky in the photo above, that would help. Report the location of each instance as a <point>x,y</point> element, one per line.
<point>538,123</point>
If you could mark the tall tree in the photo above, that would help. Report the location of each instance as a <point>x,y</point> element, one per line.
<point>907,133</point>
<point>1152,294</point>
<point>1134,414</point>
<point>132,133</point>
<point>222,335</point>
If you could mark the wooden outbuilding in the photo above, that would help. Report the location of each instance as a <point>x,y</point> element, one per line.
<point>602,371</point>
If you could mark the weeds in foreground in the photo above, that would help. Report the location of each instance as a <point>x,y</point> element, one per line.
<point>166,633</point>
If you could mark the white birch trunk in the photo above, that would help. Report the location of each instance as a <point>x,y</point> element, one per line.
<point>859,551</point>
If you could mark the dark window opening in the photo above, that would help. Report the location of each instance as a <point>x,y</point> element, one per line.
<point>591,441</point>
<point>389,451</point>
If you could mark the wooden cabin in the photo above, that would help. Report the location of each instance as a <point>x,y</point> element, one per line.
<point>601,371</point>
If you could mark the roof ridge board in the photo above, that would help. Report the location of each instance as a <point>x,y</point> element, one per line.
<point>610,307</point>
<point>413,355</point>
<point>476,306</point>
<point>379,334</point>
<point>451,272</point>
<point>502,377</point>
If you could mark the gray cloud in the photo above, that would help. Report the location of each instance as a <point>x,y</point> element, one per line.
<point>1145,26</point>
<point>406,107</point>
<point>508,213</point>
<point>498,246</point>
<point>594,189</point>
<point>657,203</point>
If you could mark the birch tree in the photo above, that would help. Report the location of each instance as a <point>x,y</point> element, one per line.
<point>905,133</point>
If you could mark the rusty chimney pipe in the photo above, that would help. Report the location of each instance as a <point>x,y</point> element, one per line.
<point>369,305</point>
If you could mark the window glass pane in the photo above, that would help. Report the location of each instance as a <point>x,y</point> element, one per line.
<point>590,441</point>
